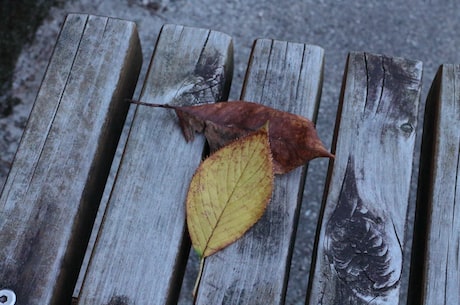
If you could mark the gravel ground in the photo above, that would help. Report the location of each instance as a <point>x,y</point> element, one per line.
<point>417,30</point>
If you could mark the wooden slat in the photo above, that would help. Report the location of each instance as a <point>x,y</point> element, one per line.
<point>286,76</point>
<point>359,249</point>
<point>142,246</point>
<point>435,273</point>
<point>53,190</point>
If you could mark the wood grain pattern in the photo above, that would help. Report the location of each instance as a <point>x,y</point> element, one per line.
<point>359,254</point>
<point>51,194</point>
<point>142,245</point>
<point>253,270</point>
<point>435,273</point>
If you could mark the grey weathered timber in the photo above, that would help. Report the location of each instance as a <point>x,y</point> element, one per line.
<point>142,246</point>
<point>435,268</point>
<point>254,270</point>
<point>359,246</point>
<point>52,192</point>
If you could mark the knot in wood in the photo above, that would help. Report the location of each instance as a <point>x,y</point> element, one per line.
<point>407,128</point>
<point>360,245</point>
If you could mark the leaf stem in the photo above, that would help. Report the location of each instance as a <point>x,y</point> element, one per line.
<point>198,279</point>
<point>151,104</point>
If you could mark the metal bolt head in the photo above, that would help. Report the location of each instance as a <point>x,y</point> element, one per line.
<point>7,297</point>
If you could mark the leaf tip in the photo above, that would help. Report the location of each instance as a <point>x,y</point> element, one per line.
<point>324,153</point>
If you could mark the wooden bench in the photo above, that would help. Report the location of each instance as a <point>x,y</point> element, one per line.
<point>360,242</point>
<point>435,269</point>
<point>53,190</point>
<point>139,243</point>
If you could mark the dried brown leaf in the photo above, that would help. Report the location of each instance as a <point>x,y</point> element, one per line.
<point>293,139</point>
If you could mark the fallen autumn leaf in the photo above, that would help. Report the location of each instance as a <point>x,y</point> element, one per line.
<point>293,139</point>
<point>229,193</point>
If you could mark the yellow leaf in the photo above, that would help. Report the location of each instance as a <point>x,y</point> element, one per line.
<point>229,192</point>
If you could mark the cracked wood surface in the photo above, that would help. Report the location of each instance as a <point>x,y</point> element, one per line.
<point>142,246</point>
<point>254,270</point>
<point>435,273</point>
<point>359,246</point>
<point>52,192</point>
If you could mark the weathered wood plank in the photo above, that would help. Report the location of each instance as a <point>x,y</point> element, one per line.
<point>358,257</point>
<point>254,270</point>
<point>142,246</point>
<point>53,190</point>
<point>435,272</point>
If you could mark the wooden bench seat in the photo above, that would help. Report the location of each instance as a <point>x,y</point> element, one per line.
<point>280,74</point>
<point>56,181</point>
<point>140,246</point>
<point>435,269</point>
<point>254,270</point>
<point>359,247</point>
